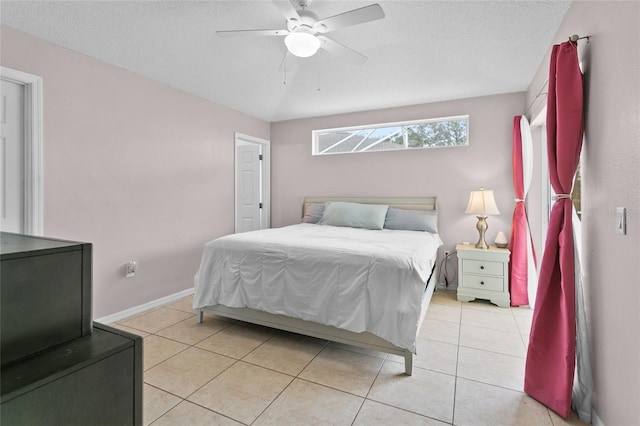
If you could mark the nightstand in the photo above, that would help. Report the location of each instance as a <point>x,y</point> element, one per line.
<point>483,274</point>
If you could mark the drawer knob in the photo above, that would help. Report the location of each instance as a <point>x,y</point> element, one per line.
<point>481,266</point>
<point>481,282</point>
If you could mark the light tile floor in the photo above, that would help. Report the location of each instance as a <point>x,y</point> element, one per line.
<point>468,371</point>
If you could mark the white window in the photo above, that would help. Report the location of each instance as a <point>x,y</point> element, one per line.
<point>548,192</point>
<point>432,133</point>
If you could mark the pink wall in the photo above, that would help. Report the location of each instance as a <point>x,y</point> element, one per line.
<point>611,155</point>
<point>449,173</point>
<point>141,170</point>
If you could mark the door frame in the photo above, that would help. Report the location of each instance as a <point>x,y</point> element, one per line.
<point>242,139</point>
<point>33,138</point>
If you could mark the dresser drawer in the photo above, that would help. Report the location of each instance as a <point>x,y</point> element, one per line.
<point>483,282</point>
<point>482,267</point>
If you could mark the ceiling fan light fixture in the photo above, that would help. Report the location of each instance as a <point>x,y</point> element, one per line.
<point>302,44</point>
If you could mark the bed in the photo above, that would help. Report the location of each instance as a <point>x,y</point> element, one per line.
<point>335,276</point>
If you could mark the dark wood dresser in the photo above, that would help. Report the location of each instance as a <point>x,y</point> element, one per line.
<point>59,368</point>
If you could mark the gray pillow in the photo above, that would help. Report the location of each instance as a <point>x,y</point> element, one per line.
<point>412,220</point>
<point>354,215</point>
<point>312,212</point>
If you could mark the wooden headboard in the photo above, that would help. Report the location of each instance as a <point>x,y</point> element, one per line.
<point>411,203</point>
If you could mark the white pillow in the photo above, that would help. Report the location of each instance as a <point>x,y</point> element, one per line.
<point>354,215</point>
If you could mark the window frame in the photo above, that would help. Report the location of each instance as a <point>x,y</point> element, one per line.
<point>373,127</point>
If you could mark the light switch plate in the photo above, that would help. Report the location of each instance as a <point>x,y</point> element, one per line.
<point>621,220</point>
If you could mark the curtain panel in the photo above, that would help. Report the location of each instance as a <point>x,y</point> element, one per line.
<point>522,267</point>
<point>550,364</point>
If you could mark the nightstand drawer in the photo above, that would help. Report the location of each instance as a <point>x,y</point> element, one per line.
<point>482,267</point>
<point>483,282</point>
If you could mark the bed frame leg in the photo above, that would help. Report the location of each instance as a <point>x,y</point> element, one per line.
<point>408,363</point>
<point>199,315</point>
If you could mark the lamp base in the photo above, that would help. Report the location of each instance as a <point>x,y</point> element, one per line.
<point>482,227</point>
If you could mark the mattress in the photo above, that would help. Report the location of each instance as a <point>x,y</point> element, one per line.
<point>354,279</point>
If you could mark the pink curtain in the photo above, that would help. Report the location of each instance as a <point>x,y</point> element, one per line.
<point>552,343</point>
<point>522,264</point>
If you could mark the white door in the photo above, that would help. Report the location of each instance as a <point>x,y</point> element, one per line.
<point>252,183</point>
<point>249,202</point>
<point>12,157</point>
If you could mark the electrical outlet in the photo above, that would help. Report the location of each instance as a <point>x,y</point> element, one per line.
<point>130,268</point>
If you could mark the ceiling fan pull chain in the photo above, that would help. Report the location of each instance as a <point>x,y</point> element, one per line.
<point>283,66</point>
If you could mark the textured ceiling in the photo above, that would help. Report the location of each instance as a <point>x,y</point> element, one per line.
<point>423,51</point>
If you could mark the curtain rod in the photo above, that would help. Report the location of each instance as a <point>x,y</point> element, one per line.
<point>574,38</point>
<point>536,97</point>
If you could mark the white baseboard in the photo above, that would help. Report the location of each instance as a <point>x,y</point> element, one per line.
<point>144,307</point>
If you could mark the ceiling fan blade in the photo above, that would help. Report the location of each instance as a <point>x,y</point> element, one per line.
<point>287,9</point>
<point>342,51</point>
<point>347,19</point>
<point>251,33</point>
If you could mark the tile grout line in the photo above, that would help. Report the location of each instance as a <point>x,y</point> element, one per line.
<point>182,343</point>
<point>236,361</point>
<point>266,368</point>
<point>183,399</point>
<point>297,376</point>
<point>373,382</point>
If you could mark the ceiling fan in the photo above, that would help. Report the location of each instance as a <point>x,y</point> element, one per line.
<point>304,33</point>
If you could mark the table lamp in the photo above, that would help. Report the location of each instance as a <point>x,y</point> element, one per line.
<point>482,204</point>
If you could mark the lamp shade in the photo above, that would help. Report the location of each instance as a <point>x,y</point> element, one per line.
<point>302,44</point>
<point>482,203</point>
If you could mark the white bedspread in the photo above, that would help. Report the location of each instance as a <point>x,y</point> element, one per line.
<point>355,279</point>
